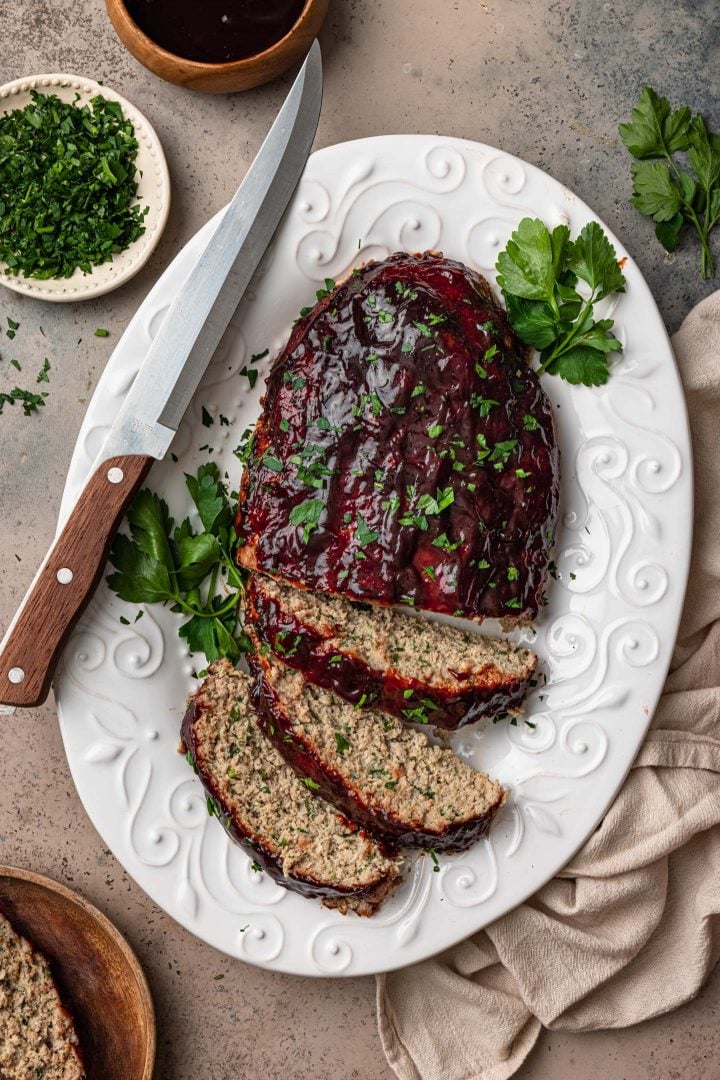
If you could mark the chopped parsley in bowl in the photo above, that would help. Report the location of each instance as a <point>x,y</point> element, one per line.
<point>84,189</point>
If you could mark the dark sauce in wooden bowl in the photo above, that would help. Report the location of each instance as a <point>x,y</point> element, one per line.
<point>215,31</point>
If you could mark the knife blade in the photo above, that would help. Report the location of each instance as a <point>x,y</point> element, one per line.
<point>161,392</point>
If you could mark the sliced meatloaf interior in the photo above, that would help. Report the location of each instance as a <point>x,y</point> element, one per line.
<point>405,453</point>
<point>37,1036</point>
<point>382,773</point>
<point>414,668</point>
<point>299,839</point>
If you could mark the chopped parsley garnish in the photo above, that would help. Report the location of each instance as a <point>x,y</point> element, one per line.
<point>530,423</point>
<point>30,402</point>
<point>484,449</point>
<point>444,497</point>
<point>445,544</point>
<point>307,514</point>
<point>101,332</point>
<point>296,381</point>
<point>271,462</point>
<point>251,374</point>
<point>363,534</point>
<point>483,405</point>
<point>323,293</point>
<point>392,503</point>
<point>341,743</point>
<point>501,452</point>
<point>69,184</point>
<point>435,430</point>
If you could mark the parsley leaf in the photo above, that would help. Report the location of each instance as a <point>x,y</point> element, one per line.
<point>655,131</point>
<point>538,273</point>
<point>307,514</point>
<point>363,534</point>
<point>592,258</point>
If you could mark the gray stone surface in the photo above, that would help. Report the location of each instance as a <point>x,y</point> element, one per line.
<point>548,82</point>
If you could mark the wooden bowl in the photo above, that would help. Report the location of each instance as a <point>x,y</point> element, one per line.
<point>220,78</point>
<point>98,976</point>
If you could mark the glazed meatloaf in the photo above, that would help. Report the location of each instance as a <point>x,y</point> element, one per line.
<point>405,453</point>
<point>37,1036</point>
<point>414,668</point>
<point>299,839</point>
<point>384,775</point>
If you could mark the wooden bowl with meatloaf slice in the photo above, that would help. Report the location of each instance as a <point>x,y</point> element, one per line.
<point>381,773</point>
<point>421,671</point>
<point>75,964</point>
<point>297,838</point>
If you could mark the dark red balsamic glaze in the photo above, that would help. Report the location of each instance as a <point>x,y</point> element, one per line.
<point>304,648</point>
<point>267,857</point>
<point>215,31</point>
<point>388,365</point>
<point>300,754</point>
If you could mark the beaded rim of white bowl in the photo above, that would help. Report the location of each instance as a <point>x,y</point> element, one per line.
<point>153,191</point>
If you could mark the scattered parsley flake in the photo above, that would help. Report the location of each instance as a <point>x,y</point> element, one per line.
<point>251,374</point>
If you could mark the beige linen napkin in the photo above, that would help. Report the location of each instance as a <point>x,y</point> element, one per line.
<point>630,928</point>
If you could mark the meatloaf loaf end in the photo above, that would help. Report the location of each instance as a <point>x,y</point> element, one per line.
<point>300,840</point>
<point>414,668</point>
<point>384,775</point>
<point>405,453</point>
<point>37,1036</point>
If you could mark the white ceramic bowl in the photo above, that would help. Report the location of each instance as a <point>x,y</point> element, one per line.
<point>153,191</point>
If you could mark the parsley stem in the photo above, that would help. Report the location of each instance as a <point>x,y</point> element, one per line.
<point>568,341</point>
<point>707,264</point>
<point>190,609</point>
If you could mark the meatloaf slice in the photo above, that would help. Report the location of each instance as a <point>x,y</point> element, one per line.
<point>414,668</point>
<point>384,775</point>
<point>300,840</point>
<point>37,1036</point>
<point>405,452</point>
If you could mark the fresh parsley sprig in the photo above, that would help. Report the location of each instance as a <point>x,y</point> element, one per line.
<point>538,273</point>
<point>663,188</point>
<point>161,562</point>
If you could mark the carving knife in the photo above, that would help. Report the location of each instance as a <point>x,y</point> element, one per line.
<point>159,396</point>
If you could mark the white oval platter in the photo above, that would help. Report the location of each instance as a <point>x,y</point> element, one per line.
<point>153,191</point>
<point>604,639</point>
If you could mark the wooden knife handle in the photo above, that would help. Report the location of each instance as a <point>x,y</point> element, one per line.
<point>66,581</point>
